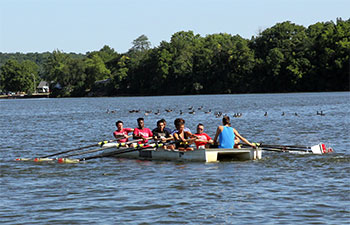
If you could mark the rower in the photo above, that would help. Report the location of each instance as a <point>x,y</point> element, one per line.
<point>162,134</point>
<point>228,136</point>
<point>141,132</point>
<point>177,121</point>
<point>183,138</point>
<point>204,140</point>
<point>122,132</point>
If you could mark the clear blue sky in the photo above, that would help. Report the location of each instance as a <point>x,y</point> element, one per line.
<point>87,25</point>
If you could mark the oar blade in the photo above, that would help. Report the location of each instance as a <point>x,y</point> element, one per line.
<point>44,160</point>
<point>67,160</point>
<point>24,159</point>
<point>321,149</point>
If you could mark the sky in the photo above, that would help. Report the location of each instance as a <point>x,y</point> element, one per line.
<point>82,26</point>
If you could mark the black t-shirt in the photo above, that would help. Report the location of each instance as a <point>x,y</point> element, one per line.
<point>160,134</point>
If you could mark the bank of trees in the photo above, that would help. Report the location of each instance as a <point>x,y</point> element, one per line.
<point>284,58</point>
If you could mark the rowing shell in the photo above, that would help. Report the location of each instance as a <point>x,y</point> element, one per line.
<point>198,155</point>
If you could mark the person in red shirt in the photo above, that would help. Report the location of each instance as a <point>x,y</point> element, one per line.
<point>122,132</point>
<point>204,139</point>
<point>141,132</point>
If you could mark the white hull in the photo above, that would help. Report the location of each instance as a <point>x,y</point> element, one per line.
<point>198,155</point>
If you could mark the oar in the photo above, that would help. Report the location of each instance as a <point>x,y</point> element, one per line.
<point>46,157</point>
<point>108,154</point>
<point>283,146</point>
<point>121,151</point>
<point>81,148</point>
<point>103,148</point>
<point>316,149</point>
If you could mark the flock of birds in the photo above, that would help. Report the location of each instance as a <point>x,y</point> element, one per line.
<point>191,110</point>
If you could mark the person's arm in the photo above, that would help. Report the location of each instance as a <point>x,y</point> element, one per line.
<point>129,130</point>
<point>176,136</point>
<point>118,135</point>
<point>242,138</point>
<point>136,134</point>
<point>210,141</point>
<point>190,135</point>
<point>168,136</point>
<point>150,134</point>
<point>218,131</point>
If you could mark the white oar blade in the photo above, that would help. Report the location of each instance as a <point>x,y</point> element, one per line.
<point>321,149</point>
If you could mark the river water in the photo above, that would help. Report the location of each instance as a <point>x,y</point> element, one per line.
<point>281,188</point>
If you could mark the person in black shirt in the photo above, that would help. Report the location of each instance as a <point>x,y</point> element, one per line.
<point>160,133</point>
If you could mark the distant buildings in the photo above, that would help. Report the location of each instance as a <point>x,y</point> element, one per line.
<point>43,87</point>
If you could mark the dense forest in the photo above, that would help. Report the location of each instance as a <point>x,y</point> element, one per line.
<point>284,58</point>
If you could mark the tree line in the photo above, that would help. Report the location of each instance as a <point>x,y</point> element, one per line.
<point>284,58</point>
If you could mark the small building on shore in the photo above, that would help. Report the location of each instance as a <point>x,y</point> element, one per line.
<point>43,87</point>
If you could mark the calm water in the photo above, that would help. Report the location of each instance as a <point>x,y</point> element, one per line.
<point>282,188</point>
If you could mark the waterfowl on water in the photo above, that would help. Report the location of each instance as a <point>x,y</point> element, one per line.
<point>236,115</point>
<point>207,112</point>
<point>320,113</point>
<point>110,111</point>
<point>218,114</point>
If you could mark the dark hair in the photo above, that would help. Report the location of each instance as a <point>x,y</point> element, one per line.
<point>200,124</point>
<point>179,120</point>
<point>163,120</point>
<point>226,120</point>
<point>160,121</point>
<point>119,121</point>
<point>139,119</point>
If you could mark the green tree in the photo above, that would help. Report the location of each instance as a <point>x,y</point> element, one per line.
<point>329,50</point>
<point>281,49</point>
<point>140,44</point>
<point>95,71</point>
<point>20,76</point>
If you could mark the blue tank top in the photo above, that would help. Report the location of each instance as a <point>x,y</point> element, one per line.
<point>227,138</point>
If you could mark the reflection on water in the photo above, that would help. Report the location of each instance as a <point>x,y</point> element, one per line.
<point>280,188</point>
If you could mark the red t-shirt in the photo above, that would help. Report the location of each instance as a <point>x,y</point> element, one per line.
<point>122,132</point>
<point>145,133</point>
<point>204,137</point>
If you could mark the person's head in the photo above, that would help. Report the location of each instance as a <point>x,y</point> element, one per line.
<point>200,128</point>
<point>180,126</point>
<point>226,121</point>
<point>178,121</point>
<point>160,125</point>
<point>119,124</point>
<point>141,122</point>
<point>164,121</point>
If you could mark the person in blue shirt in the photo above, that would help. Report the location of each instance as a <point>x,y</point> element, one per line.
<point>228,136</point>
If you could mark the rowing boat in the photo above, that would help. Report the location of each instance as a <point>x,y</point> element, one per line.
<point>198,155</point>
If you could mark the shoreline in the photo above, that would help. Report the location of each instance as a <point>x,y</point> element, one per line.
<point>37,95</point>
